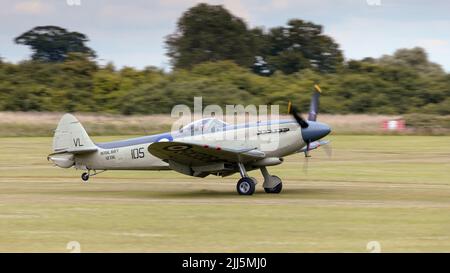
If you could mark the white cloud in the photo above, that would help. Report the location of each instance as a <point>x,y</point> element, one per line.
<point>32,7</point>
<point>433,43</point>
<point>238,8</point>
<point>369,37</point>
<point>280,4</point>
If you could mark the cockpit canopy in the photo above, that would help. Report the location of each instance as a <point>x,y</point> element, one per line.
<point>204,126</point>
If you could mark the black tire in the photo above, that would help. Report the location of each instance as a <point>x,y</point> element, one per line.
<point>85,177</point>
<point>277,188</point>
<point>246,186</point>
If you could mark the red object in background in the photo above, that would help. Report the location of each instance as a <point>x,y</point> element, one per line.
<point>393,125</point>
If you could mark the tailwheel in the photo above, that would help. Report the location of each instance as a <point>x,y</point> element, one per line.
<point>279,185</point>
<point>85,177</point>
<point>246,186</point>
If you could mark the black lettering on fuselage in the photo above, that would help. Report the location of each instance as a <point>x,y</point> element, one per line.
<point>77,142</point>
<point>269,131</point>
<point>137,153</point>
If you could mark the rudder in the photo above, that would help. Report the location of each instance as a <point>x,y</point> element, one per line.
<point>70,136</point>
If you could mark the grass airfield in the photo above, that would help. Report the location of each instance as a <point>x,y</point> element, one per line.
<point>390,189</point>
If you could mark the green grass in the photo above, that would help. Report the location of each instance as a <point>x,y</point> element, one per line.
<point>391,189</point>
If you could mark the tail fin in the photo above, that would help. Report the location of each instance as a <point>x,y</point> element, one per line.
<point>71,137</point>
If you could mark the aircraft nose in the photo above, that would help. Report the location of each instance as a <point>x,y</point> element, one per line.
<point>315,131</point>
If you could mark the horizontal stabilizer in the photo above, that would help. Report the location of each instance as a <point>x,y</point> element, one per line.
<point>77,150</point>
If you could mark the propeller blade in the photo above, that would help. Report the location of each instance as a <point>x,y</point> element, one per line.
<point>316,144</point>
<point>314,105</point>
<point>303,124</point>
<point>328,149</point>
<point>306,165</point>
<point>308,148</point>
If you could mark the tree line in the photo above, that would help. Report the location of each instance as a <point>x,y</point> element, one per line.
<point>217,56</point>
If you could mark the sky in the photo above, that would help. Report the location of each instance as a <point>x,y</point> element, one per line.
<point>132,33</point>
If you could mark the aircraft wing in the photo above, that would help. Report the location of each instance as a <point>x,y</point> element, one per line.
<point>197,155</point>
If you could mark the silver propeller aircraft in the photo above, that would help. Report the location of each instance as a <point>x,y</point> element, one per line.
<point>193,151</point>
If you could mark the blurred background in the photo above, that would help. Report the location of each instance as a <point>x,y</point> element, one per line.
<point>384,70</point>
<point>383,65</point>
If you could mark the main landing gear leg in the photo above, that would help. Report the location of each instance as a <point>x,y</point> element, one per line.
<point>272,183</point>
<point>245,185</point>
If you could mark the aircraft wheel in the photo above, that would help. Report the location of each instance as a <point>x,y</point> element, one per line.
<point>246,186</point>
<point>85,177</point>
<point>277,188</point>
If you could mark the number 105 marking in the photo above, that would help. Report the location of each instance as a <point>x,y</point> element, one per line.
<point>137,153</point>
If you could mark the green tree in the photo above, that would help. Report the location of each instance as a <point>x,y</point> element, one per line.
<point>211,33</point>
<point>53,44</point>
<point>415,58</point>
<point>301,45</point>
